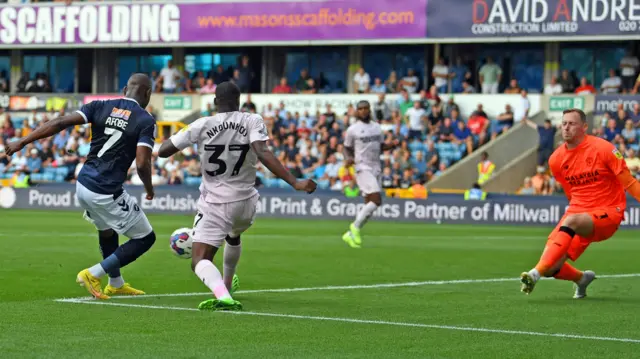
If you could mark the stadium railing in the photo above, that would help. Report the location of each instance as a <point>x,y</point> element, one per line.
<point>502,151</point>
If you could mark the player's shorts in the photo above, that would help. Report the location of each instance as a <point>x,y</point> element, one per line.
<point>119,212</point>
<point>606,222</point>
<point>214,221</point>
<point>368,182</point>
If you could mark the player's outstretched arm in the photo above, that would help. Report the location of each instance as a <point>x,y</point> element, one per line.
<point>167,149</point>
<point>629,183</point>
<point>270,161</point>
<point>47,130</point>
<point>145,169</point>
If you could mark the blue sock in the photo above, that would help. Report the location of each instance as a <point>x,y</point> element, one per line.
<point>111,264</point>
<point>130,251</point>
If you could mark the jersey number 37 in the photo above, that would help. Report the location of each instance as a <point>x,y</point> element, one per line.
<point>218,150</point>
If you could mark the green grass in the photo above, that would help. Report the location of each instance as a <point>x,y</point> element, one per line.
<point>41,252</point>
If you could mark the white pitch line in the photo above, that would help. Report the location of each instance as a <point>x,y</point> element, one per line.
<point>350,287</point>
<point>376,322</point>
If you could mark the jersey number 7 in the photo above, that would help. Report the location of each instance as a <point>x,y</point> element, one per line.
<point>114,136</point>
<point>222,166</point>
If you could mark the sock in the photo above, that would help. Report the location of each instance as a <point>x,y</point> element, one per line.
<point>230,262</point>
<point>211,277</point>
<point>108,246</point>
<point>132,250</point>
<point>365,213</point>
<point>97,271</point>
<point>116,282</point>
<point>535,274</point>
<point>569,272</point>
<point>557,246</point>
<point>126,253</point>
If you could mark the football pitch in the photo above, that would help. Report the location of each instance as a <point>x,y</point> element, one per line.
<point>412,291</point>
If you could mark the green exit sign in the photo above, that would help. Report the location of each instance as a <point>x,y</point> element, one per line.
<point>177,103</point>
<point>561,103</point>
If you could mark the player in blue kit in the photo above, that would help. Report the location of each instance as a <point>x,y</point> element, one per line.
<point>122,131</point>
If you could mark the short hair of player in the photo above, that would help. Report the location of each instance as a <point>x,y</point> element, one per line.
<point>583,116</point>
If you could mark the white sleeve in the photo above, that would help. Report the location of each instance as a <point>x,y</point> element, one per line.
<point>348,139</point>
<point>258,130</point>
<point>188,135</point>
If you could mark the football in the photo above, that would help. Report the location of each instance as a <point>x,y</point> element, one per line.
<point>180,242</point>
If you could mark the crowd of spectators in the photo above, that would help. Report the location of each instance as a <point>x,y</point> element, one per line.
<point>433,135</point>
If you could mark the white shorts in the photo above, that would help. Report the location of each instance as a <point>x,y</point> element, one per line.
<point>214,221</point>
<point>490,88</point>
<point>368,181</point>
<point>122,214</point>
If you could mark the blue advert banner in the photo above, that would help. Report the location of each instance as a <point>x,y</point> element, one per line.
<point>498,209</point>
<point>532,18</point>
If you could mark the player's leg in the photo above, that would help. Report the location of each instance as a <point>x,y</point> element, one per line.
<point>123,214</point>
<point>244,214</point>
<point>109,242</point>
<point>556,250</point>
<point>370,187</point>
<point>209,233</point>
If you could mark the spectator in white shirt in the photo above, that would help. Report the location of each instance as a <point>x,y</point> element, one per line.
<point>440,74</point>
<point>553,88</point>
<point>410,82</point>
<point>361,81</point>
<point>415,118</point>
<point>169,77</point>
<point>522,109</point>
<point>628,67</point>
<point>611,84</point>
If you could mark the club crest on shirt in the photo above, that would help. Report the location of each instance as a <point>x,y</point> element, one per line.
<point>617,154</point>
<point>589,161</point>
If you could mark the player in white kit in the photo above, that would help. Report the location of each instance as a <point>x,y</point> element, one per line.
<point>363,145</point>
<point>230,144</point>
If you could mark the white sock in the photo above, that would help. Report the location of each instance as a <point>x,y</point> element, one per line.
<point>116,282</point>
<point>535,274</point>
<point>210,275</point>
<point>97,271</point>
<point>365,213</point>
<point>231,258</point>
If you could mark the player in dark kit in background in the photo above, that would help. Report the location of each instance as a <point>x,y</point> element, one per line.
<point>122,131</point>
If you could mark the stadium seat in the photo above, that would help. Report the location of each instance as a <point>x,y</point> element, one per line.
<point>62,171</point>
<point>37,177</point>
<point>59,178</point>
<point>50,170</point>
<point>416,146</point>
<point>324,184</point>
<point>49,176</point>
<point>193,181</point>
